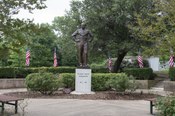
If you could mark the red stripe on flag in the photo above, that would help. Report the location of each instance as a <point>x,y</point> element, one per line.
<point>140,61</point>
<point>171,61</point>
<point>55,60</point>
<point>110,64</point>
<point>28,58</point>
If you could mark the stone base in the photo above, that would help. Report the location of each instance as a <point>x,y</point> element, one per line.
<point>169,86</point>
<point>146,84</point>
<point>80,93</point>
<point>12,83</point>
<point>83,81</point>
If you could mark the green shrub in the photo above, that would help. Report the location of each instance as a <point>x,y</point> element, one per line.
<point>140,73</point>
<point>121,82</point>
<point>23,72</point>
<point>68,80</point>
<point>172,74</point>
<point>98,80</point>
<point>166,106</point>
<point>45,83</point>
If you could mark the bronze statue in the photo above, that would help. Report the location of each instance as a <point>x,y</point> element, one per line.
<point>82,37</point>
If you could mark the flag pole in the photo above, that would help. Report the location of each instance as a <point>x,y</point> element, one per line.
<point>171,50</point>
<point>171,60</point>
<point>109,63</point>
<point>139,52</point>
<point>55,58</point>
<point>55,49</point>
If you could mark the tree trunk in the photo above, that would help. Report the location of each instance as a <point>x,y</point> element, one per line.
<point>118,62</point>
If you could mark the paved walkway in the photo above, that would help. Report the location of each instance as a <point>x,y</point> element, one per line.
<point>2,91</point>
<point>70,107</point>
<point>74,107</point>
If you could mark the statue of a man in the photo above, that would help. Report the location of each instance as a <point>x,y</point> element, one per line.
<point>82,37</point>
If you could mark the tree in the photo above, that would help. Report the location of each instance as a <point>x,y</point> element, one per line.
<point>16,57</point>
<point>157,26</point>
<point>41,44</point>
<point>65,26</point>
<point>4,53</point>
<point>13,31</point>
<point>110,20</point>
<point>8,8</point>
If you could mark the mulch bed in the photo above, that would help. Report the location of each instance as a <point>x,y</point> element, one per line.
<point>103,95</point>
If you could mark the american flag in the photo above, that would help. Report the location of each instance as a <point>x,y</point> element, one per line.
<point>110,64</point>
<point>140,61</point>
<point>171,61</point>
<point>27,57</point>
<point>55,59</point>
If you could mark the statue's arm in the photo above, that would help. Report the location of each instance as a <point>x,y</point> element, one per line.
<point>74,35</point>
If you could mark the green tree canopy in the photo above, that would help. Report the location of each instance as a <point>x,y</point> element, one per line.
<point>9,8</point>
<point>65,26</point>
<point>41,45</point>
<point>41,42</point>
<point>14,31</point>
<point>158,27</point>
<point>110,22</point>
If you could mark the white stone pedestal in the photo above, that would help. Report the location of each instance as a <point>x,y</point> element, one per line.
<point>83,82</point>
<point>154,63</point>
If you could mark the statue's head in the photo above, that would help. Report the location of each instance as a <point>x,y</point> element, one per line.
<point>83,25</point>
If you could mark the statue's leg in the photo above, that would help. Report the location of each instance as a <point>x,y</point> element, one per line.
<point>79,51</point>
<point>85,54</point>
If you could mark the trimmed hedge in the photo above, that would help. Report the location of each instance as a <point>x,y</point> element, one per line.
<point>23,72</point>
<point>7,72</point>
<point>140,73</point>
<point>100,70</point>
<point>98,80</point>
<point>172,74</point>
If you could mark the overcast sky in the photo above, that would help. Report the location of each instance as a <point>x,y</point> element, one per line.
<point>54,8</point>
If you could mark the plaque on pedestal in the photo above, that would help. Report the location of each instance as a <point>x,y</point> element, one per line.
<point>83,82</point>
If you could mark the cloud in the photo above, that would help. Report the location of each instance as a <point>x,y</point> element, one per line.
<point>54,8</point>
